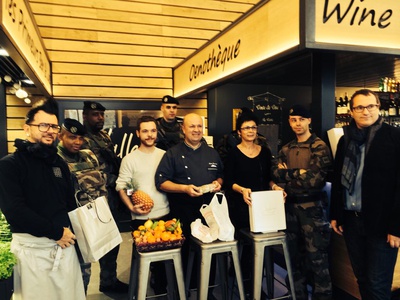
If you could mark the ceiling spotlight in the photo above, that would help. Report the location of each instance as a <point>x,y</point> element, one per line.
<point>17,86</point>
<point>7,78</point>
<point>28,81</point>
<point>3,52</point>
<point>27,101</point>
<point>21,93</point>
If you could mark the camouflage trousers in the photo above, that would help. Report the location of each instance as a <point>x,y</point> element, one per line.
<point>308,237</point>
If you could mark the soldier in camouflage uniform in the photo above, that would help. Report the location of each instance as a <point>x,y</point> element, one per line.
<point>89,182</point>
<point>302,166</point>
<point>100,143</point>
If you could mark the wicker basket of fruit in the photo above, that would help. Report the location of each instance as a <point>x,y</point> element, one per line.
<point>158,235</point>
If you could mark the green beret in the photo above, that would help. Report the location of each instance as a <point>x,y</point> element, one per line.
<point>73,126</point>
<point>169,100</point>
<point>299,110</point>
<point>91,105</point>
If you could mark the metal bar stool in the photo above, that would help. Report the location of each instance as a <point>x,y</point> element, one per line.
<point>140,268</point>
<point>206,251</point>
<point>259,241</point>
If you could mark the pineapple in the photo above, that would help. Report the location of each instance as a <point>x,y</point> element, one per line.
<point>140,197</point>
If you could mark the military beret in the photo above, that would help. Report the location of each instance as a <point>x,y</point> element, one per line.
<point>91,105</point>
<point>74,126</point>
<point>169,99</point>
<point>299,110</point>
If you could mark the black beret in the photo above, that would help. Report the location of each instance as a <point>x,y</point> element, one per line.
<point>299,110</point>
<point>91,105</point>
<point>74,126</point>
<point>169,99</point>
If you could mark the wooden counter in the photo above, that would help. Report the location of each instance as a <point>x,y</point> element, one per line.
<point>342,272</point>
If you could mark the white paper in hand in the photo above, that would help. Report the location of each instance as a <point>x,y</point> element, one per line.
<point>267,211</point>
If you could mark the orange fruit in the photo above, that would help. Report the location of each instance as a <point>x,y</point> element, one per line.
<point>165,236</point>
<point>172,237</point>
<point>151,239</point>
<point>136,234</point>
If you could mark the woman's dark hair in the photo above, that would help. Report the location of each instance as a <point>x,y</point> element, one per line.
<point>144,119</point>
<point>49,106</point>
<point>245,116</point>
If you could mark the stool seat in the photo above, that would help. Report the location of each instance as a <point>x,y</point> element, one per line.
<point>259,241</point>
<point>140,268</point>
<point>206,251</point>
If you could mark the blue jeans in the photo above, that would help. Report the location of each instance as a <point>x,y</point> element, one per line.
<point>372,259</point>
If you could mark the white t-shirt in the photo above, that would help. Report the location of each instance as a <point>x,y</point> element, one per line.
<point>141,167</point>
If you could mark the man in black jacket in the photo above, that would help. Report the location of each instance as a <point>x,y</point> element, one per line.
<point>365,198</point>
<point>36,194</point>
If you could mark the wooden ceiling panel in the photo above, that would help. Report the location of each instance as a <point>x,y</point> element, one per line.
<point>111,59</point>
<point>90,47</point>
<point>79,92</point>
<point>120,38</point>
<point>106,79</point>
<point>113,26</point>
<point>97,69</point>
<point>126,49</point>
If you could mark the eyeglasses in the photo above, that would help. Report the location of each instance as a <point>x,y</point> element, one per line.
<point>44,127</point>
<point>361,108</point>
<point>247,128</point>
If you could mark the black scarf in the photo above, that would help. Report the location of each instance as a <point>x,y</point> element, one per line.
<point>39,150</point>
<point>352,159</point>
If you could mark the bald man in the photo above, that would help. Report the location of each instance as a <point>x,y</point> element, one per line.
<point>184,169</point>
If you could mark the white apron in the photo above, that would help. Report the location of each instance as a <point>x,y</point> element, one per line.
<point>45,270</point>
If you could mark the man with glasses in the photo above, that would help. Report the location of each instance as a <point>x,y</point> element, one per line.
<point>301,167</point>
<point>169,125</point>
<point>365,199</point>
<point>36,194</point>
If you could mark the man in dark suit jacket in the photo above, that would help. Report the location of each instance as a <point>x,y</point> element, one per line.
<point>365,198</point>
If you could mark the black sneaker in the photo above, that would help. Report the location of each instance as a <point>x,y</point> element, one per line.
<point>117,287</point>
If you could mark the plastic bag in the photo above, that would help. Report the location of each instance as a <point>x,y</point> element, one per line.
<point>201,231</point>
<point>216,215</point>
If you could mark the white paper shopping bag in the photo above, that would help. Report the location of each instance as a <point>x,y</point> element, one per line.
<point>95,229</point>
<point>267,211</point>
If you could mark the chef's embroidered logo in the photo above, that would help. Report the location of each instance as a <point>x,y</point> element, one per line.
<point>57,172</point>
<point>212,166</point>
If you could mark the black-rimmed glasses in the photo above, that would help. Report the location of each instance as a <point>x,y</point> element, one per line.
<point>361,108</point>
<point>44,127</point>
<point>247,128</point>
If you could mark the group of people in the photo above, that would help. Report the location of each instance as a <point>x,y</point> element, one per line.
<point>40,183</point>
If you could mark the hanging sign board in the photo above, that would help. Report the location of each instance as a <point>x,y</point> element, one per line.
<point>17,22</point>
<point>268,112</point>
<point>366,25</point>
<point>271,29</point>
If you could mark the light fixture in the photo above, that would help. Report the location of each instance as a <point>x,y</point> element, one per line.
<point>17,85</point>
<point>28,81</point>
<point>3,52</point>
<point>7,78</point>
<point>27,100</point>
<point>21,93</point>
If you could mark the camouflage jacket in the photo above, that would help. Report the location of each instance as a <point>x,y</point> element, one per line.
<point>89,181</point>
<point>312,155</point>
<point>101,145</point>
